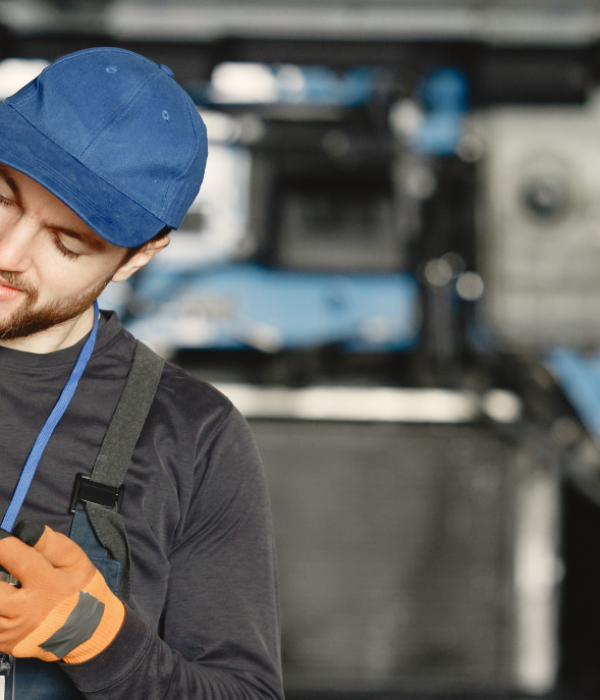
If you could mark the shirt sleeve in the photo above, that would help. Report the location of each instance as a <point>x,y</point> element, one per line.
<point>219,636</point>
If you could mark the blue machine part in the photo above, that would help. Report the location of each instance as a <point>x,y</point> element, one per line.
<point>245,305</point>
<point>324,86</point>
<point>260,83</point>
<point>444,95</point>
<point>579,378</point>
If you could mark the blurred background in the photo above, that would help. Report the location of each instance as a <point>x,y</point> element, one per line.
<point>393,270</point>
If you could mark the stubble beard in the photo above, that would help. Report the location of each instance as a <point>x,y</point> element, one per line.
<point>29,320</point>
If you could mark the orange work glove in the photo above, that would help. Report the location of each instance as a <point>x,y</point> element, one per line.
<point>63,609</point>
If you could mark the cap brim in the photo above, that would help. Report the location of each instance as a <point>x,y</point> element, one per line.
<point>108,212</point>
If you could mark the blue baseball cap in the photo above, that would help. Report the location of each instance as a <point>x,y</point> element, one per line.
<point>113,136</point>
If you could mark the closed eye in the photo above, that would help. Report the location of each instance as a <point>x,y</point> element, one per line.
<point>64,250</point>
<point>5,202</point>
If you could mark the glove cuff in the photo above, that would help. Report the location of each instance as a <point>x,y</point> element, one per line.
<point>107,630</point>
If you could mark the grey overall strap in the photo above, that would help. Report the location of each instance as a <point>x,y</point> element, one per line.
<point>117,448</point>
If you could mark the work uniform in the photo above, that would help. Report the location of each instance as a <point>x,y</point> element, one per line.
<point>202,619</point>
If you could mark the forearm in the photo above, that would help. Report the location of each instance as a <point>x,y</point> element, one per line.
<point>138,665</point>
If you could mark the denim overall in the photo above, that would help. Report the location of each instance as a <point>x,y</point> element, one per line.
<point>33,679</point>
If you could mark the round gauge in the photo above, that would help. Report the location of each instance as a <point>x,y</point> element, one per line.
<point>546,195</point>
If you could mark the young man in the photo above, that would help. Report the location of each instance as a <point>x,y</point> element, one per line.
<point>168,588</point>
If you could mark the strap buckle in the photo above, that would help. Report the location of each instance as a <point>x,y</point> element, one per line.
<point>90,491</point>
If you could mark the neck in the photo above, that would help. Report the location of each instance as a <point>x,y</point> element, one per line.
<point>59,337</point>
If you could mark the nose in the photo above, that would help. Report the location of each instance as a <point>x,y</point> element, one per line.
<point>16,246</point>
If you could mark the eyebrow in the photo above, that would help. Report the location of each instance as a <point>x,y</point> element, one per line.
<point>95,242</point>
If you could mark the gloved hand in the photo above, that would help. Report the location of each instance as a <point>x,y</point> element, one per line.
<point>63,609</point>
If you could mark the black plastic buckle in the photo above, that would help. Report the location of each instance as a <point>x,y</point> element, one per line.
<point>90,491</point>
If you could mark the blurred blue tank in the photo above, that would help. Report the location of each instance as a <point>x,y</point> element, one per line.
<point>246,305</point>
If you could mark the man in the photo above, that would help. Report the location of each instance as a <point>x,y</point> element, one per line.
<point>100,157</point>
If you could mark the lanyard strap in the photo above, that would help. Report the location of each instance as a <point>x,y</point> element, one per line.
<point>46,432</point>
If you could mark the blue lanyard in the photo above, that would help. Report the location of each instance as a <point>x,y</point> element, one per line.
<point>46,432</point>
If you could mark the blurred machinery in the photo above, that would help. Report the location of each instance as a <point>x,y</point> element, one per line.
<point>317,200</point>
<point>391,270</point>
<point>539,208</point>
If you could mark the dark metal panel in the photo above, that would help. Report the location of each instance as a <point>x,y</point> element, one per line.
<point>396,547</point>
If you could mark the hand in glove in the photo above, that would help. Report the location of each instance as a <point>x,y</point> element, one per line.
<point>63,609</point>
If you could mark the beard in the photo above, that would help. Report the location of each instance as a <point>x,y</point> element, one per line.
<point>29,319</point>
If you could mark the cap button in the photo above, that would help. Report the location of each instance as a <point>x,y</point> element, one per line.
<point>167,70</point>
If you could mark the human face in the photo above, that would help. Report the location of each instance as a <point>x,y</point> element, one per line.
<point>52,265</point>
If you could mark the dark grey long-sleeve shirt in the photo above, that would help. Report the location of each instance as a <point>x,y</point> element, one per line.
<point>202,620</point>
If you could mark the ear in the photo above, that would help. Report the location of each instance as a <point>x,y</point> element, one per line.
<point>141,258</point>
